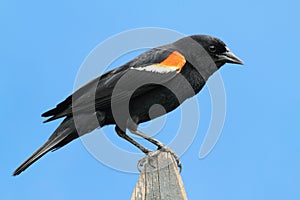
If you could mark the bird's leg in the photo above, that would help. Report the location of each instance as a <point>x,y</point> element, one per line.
<point>141,162</point>
<point>123,135</point>
<point>160,145</point>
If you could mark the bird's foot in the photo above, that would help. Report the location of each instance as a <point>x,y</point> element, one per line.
<point>176,158</point>
<point>148,159</point>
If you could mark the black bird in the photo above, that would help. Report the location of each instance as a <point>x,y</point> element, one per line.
<point>165,75</point>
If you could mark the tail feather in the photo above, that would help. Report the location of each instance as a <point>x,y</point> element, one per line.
<point>34,157</point>
<point>64,134</point>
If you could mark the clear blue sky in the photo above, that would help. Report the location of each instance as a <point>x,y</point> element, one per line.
<point>43,44</point>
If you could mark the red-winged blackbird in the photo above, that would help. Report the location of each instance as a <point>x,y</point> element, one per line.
<point>166,75</point>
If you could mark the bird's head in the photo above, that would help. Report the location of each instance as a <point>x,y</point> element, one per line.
<point>217,49</point>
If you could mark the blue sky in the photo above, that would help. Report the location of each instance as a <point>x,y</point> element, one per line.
<point>43,45</point>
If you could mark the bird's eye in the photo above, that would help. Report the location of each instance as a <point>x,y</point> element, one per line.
<point>212,48</point>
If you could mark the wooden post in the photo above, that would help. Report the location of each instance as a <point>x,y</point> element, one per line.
<point>159,180</point>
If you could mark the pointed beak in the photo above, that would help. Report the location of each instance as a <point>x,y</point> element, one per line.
<point>229,57</point>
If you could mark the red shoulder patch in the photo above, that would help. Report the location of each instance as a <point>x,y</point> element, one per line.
<point>174,60</point>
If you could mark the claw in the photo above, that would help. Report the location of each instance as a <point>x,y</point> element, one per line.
<point>176,158</point>
<point>146,159</point>
<point>141,163</point>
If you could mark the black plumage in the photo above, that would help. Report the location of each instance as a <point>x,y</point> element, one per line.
<point>165,75</point>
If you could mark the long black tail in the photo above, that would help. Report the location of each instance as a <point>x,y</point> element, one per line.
<point>64,134</point>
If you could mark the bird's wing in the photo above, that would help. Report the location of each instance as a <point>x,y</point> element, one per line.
<point>154,67</point>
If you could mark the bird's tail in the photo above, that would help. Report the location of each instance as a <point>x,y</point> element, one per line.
<point>34,157</point>
<point>64,134</point>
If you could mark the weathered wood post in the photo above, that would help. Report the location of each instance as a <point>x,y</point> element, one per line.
<point>159,180</point>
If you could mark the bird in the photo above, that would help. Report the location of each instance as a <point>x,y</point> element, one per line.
<point>166,75</point>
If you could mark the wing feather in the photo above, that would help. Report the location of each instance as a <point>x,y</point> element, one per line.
<point>156,66</point>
